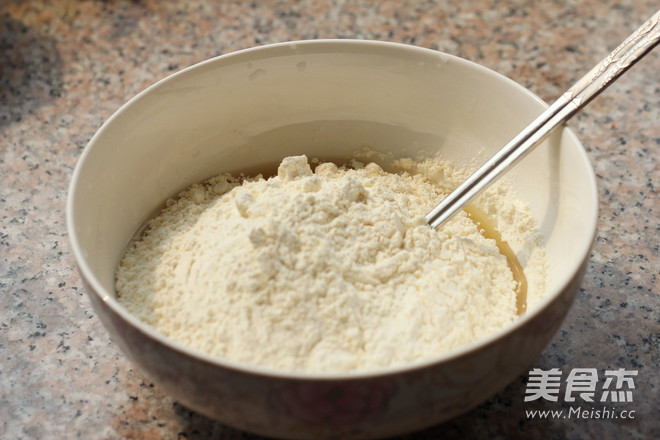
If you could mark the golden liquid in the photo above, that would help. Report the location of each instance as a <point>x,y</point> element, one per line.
<point>487,230</point>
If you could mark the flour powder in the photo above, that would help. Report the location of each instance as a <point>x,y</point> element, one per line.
<point>327,270</point>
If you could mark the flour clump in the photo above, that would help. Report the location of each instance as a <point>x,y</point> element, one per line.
<point>324,270</point>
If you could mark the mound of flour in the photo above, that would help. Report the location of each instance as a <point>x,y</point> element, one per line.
<point>331,270</point>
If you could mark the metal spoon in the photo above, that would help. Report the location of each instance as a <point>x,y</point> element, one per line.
<point>638,44</point>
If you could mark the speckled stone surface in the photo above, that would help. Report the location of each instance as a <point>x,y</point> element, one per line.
<point>66,66</point>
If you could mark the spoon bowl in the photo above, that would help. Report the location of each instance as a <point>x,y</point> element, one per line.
<point>247,110</point>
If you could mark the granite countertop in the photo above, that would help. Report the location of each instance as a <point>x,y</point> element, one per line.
<point>66,66</point>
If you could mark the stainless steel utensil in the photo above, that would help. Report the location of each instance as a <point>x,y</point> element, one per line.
<point>638,44</point>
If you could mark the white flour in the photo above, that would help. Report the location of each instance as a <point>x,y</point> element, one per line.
<point>334,270</point>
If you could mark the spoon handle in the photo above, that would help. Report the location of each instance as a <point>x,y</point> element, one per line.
<point>638,44</point>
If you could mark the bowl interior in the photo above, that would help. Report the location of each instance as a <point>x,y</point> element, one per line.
<point>247,110</point>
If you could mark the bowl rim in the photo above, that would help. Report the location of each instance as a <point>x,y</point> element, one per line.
<point>96,288</point>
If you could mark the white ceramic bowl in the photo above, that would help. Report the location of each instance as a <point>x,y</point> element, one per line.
<point>247,110</point>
